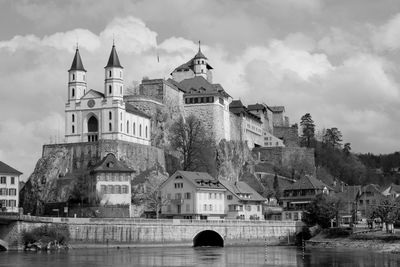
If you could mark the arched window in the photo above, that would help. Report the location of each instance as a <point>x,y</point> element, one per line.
<point>73,129</point>
<point>73,118</point>
<point>146,131</point>
<point>73,92</point>
<point>73,77</point>
<point>127,126</point>
<point>120,89</point>
<point>110,127</point>
<point>109,73</point>
<point>110,115</point>
<point>134,129</point>
<point>110,89</point>
<point>140,130</point>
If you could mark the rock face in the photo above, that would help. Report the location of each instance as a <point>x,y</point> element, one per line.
<point>57,171</point>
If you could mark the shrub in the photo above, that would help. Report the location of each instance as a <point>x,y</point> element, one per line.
<point>338,232</point>
<point>47,233</point>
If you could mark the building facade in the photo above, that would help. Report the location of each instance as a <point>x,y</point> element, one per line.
<point>9,188</point>
<point>193,195</point>
<point>92,115</point>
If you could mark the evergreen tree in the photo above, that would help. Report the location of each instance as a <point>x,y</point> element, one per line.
<point>332,138</point>
<point>346,149</point>
<point>308,129</point>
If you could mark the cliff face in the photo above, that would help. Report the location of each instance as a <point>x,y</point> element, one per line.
<point>57,171</point>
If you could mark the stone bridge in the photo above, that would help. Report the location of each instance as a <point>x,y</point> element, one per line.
<point>97,232</point>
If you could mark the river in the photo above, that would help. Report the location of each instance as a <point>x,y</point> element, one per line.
<point>187,256</point>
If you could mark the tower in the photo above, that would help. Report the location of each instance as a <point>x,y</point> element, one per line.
<point>114,82</point>
<point>200,64</point>
<point>76,78</point>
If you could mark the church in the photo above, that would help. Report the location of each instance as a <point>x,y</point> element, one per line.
<point>92,115</point>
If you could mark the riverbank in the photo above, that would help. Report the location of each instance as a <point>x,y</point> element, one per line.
<point>377,241</point>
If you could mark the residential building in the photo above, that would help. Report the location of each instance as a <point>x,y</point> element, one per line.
<point>348,198</point>
<point>193,195</point>
<point>297,196</point>
<point>92,115</point>
<point>242,201</point>
<point>111,182</point>
<point>370,196</point>
<point>9,188</point>
<point>392,190</point>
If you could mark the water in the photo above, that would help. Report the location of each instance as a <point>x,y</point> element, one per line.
<point>187,256</point>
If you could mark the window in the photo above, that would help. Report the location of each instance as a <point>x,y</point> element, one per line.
<point>210,196</point>
<point>73,129</point>
<point>84,77</point>
<point>205,207</point>
<point>187,196</point>
<point>73,118</point>
<point>103,189</point>
<point>178,196</point>
<point>110,89</point>
<point>3,192</point>
<point>127,126</point>
<point>134,130</point>
<point>140,130</point>
<point>120,90</point>
<point>3,180</point>
<point>117,189</point>
<point>221,101</point>
<point>146,131</point>
<point>248,207</point>
<point>110,115</point>
<point>169,208</point>
<point>211,207</point>
<point>12,192</point>
<point>110,127</point>
<point>73,77</point>
<point>229,197</point>
<point>12,180</point>
<point>120,116</point>
<point>187,207</point>
<point>178,185</point>
<point>120,74</point>
<point>109,74</point>
<point>73,92</point>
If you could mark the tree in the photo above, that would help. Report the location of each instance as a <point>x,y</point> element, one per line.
<point>152,197</point>
<point>322,210</point>
<point>188,137</point>
<point>387,210</point>
<point>346,149</point>
<point>332,138</point>
<point>308,129</point>
<point>276,187</point>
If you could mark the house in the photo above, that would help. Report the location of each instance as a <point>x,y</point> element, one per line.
<point>392,190</point>
<point>348,197</point>
<point>193,195</point>
<point>110,182</point>
<point>370,195</point>
<point>242,201</point>
<point>298,195</point>
<point>9,188</point>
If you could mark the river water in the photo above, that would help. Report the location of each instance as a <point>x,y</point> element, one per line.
<point>187,256</point>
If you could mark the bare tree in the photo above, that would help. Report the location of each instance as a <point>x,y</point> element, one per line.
<point>188,137</point>
<point>152,197</point>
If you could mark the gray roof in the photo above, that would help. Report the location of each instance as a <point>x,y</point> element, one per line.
<point>237,108</point>
<point>240,187</point>
<point>307,182</point>
<point>133,110</point>
<point>199,85</point>
<point>6,169</point>
<point>277,109</point>
<point>201,179</point>
<point>111,164</point>
<point>77,62</point>
<point>113,60</point>
<point>200,55</point>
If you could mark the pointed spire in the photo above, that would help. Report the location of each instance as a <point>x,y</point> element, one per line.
<point>199,53</point>
<point>113,61</point>
<point>77,62</point>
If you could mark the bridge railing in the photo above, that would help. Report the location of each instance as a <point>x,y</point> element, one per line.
<point>151,221</point>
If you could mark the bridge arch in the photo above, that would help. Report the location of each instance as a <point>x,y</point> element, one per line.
<point>3,245</point>
<point>208,238</point>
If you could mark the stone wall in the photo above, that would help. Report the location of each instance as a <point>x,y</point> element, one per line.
<point>289,135</point>
<point>236,127</point>
<point>300,159</point>
<point>104,232</point>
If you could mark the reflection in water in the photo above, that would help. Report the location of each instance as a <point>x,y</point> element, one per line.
<point>202,256</point>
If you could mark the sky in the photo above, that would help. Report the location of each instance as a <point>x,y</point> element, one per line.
<point>337,60</point>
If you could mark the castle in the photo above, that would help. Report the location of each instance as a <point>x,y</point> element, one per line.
<point>112,114</point>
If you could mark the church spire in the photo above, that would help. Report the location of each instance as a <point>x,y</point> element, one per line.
<point>113,60</point>
<point>77,62</point>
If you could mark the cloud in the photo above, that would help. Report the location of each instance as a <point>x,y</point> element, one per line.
<point>387,36</point>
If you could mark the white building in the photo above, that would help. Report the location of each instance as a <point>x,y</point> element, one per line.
<point>9,188</point>
<point>92,115</point>
<point>242,201</point>
<point>111,182</point>
<point>193,195</point>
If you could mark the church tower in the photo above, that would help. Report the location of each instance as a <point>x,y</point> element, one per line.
<point>200,64</point>
<point>114,82</point>
<point>76,78</point>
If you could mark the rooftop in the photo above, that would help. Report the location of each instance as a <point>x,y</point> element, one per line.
<point>277,109</point>
<point>113,60</point>
<point>200,85</point>
<point>240,188</point>
<point>133,110</point>
<point>201,179</point>
<point>6,169</point>
<point>307,182</point>
<point>237,107</point>
<point>77,62</point>
<point>111,164</point>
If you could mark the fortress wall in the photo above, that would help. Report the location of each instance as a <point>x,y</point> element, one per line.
<point>289,135</point>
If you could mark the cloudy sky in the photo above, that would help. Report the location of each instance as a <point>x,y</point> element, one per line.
<point>338,60</point>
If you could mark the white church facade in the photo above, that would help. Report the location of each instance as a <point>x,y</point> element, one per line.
<point>91,115</point>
